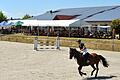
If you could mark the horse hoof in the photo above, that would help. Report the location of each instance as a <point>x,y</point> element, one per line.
<point>84,73</point>
<point>80,74</point>
<point>91,74</point>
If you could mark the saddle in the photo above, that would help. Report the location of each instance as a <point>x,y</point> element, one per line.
<point>92,58</point>
<point>86,59</point>
<point>89,58</point>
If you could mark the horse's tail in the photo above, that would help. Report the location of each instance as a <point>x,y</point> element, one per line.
<point>104,61</point>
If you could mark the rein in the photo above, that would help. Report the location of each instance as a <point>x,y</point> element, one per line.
<point>77,55</point>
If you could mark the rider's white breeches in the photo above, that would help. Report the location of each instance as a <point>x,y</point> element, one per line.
<point>85,51</point>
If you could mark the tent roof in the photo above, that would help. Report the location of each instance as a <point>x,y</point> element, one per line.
<point>6,24</point>
<point>65,23</point>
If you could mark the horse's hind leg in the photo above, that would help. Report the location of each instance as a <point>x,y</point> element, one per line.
<point>97,69</point>
<point>93,69</point>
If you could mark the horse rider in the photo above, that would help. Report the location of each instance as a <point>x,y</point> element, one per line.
<point>84,51</point>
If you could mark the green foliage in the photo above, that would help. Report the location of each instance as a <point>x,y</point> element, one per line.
<point>2,17</point>
<point>116,25</point>
<point>26,16</point>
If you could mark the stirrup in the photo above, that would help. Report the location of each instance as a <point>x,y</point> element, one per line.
<point>88,62</point>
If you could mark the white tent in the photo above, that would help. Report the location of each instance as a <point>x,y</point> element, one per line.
<point>79,23</point>
<point>26,22</point>
<point>56,23</point>
<point>104,26</point>
<point>65,23</point>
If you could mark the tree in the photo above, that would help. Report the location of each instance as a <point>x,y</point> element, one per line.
<point>2,17</point>
<point>116,25</point>
<point>26,16</point>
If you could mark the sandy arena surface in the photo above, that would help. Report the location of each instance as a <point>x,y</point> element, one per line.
<point>18,61</point>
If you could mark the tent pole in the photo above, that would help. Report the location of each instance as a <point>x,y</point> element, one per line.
<point>38,30</point>
<point>47,31</point>
<point>36,40</point>
<point>69,31</point>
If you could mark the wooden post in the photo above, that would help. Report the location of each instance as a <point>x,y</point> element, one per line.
<point>58,42</point>
<point>113,37</point>
<point>36,43</point>
<point>36,39</point>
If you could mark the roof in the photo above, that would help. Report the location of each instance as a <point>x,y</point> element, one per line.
<point>106,16</point>
<point>64,17</point>
<point>102,13</point>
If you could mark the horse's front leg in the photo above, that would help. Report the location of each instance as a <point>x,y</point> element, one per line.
<point>79,69</point>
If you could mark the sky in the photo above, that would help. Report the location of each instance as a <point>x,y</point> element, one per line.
<point>18,8</point>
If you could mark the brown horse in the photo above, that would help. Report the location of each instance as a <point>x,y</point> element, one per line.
<point>93,58</point>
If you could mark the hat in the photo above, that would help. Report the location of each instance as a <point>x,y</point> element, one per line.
<point>79,40</point>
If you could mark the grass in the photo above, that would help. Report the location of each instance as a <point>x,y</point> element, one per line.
<point>103,44</point>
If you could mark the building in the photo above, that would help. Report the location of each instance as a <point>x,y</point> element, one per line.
<point>96,16</point>
<point>75,21</point>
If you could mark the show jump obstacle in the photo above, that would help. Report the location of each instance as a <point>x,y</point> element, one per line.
<point>46,44</point>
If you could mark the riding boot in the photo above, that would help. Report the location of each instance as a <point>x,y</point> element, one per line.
<point>87,62</point>
<point>86,59</point>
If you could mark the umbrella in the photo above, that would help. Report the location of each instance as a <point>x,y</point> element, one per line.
<point>3,23</point>
<point>11,23</point>
<point>6,24</point>
<point>18,23</point>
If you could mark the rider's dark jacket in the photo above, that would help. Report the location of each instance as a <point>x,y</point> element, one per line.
<point>81,46</point>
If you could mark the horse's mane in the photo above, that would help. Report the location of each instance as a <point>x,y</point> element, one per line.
<point>77,54</point>
<point>78,51</point>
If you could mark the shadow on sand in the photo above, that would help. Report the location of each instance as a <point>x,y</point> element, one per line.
<point>99,78</point>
